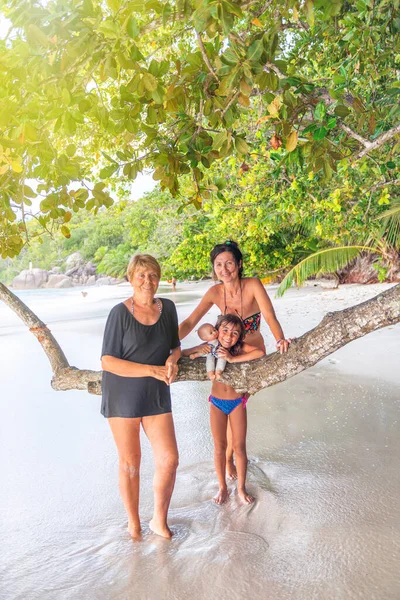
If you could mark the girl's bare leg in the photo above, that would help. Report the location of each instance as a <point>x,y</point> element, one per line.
<point>218,421</point>
<point>231,471</point>
<point>161,434</point>
<point>126,436</point>
<point>238,421</point>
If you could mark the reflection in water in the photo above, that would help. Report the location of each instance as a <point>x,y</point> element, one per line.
<point>324,456</point>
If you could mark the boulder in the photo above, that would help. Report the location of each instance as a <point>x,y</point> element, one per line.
<point>104,280</point>
<point>30,279</point>
<point>107,280</point>
<point>91,280</point>
<point>73,260</point>
<point>54,280</point>
<point>65,283</point>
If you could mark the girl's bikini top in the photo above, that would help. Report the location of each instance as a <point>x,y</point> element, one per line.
<point>252,323</point>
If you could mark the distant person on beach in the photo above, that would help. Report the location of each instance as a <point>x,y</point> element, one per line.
<point>214,364</point>
<point>240,296</point>
<point>173,281</point>
<point>226,406</point>
<point>139,358</point>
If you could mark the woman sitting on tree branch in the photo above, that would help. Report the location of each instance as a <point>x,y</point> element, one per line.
<point>242,296</point>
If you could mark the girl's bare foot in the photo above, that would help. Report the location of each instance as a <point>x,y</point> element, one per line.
<point>222,496</point>
<point>192,356</point>
<point>218,375</point>
<point>245,497</point>
<point>134,530</point>
<point>231,472</point>
<point>211,375</point>
<point>160,528</point>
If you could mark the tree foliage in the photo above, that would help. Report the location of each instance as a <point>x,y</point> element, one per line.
<point>94,92</point>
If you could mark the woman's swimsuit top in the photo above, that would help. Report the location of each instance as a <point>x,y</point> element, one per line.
<point>252,323</point>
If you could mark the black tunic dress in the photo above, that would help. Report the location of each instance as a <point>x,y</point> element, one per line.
<point>126,338</point>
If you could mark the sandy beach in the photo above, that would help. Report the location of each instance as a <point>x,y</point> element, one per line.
<point>323,451</point>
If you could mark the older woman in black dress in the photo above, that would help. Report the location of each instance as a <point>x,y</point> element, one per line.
<point>139,359</point>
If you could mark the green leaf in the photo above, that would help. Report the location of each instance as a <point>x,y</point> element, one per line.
<point>331,123</point>
<point>219,139</point>
<point>320,133</point>
<point>28,192</point>
<point>65,231</point>
<point>108,171</point>
<point>37,35</point>
<point>150,82</point>
<point>241,145</point>
<point>132,27</point>
<point>320,111</point>
<point>322,262</point>
<point>291,141</point>
<point>70,150</point>
<point>255,50</point>
<point>341,110</point>
<point>272,80</point>
<point>136,55</point>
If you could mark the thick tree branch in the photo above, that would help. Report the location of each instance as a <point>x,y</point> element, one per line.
<point>50,345</point>
<point>353,134</point>
<point>385,137</point>
<point>335,330</point>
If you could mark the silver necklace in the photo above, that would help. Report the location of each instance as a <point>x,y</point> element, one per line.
<point>156,300</point>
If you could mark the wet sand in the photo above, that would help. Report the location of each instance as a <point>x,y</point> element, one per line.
<point>324,452</point>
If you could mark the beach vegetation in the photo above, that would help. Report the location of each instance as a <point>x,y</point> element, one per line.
<point>276,124</point>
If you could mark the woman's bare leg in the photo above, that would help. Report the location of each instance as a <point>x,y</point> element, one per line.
<point>238,421</point>
<point>231,471</point>
<point>126,436</point>
<point>161,434</point>
<point>218,421</point>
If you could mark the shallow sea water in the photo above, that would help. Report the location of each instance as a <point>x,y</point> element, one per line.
<point>324,456</point>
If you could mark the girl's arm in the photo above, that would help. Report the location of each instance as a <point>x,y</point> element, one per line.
<point>269,315</point>
<point>126,368</point>
<point>203,307</point>
<point>247,353</point>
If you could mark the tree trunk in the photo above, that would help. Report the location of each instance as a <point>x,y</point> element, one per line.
<point>335,330</point>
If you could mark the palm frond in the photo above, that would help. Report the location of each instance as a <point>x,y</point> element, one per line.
<point>323,261</point>
<point>391,224</point>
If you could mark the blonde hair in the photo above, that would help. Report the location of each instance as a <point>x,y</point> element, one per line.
<point>140,261</point>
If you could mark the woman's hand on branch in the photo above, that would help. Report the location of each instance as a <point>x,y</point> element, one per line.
<point>283,345</point>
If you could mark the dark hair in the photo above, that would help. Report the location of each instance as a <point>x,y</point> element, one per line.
<point>228,246</point>
<point>235,320</point>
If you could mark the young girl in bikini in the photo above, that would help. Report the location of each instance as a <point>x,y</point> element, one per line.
<point>226,405</point>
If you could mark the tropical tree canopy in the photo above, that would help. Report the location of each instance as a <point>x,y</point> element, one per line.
<point>304,93</point>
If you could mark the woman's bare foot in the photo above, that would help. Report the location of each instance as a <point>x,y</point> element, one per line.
<point>134,530</point>
<point>160,528</point>
<point>222,496</point>
<point>231,472</point>
<point>245,497</point>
